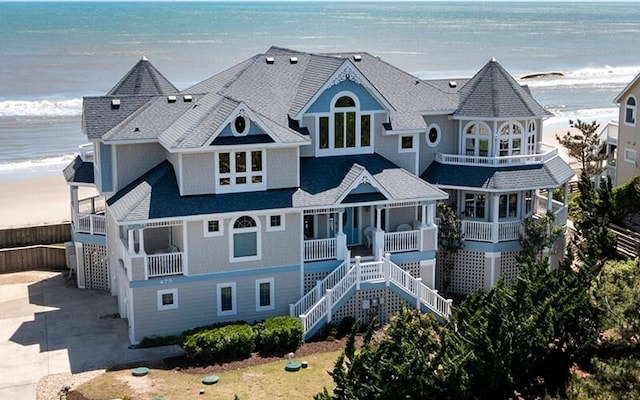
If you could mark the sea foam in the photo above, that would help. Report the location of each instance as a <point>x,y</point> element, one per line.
<point>41,108</point>
<point>585,77</point>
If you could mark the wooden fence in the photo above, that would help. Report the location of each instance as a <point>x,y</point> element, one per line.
<point>32,257</point>
<point>35,235</point>
<point>627,242</point>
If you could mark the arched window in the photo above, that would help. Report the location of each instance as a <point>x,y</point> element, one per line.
<point>630,111</point>
<point>346,127</point>
<point>244,239</point>
<point>510,139</point>
<point>531,137</point>
<point>476,139</point>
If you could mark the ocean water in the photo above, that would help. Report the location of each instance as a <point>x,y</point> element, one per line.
<point>54,53</point>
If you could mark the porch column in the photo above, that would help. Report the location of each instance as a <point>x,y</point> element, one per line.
<point>141,240</point>
<point>341,239</point>
<point>550,200</point>
<point>378,217</point>
<point>431,214</point>
<point>424,215</point>
<point>495,217</point>
<point>130,241</point>
<point>565,199</point>
<point>340,227</point>
<point>492,269</point>
<point>428,273</point>
<point>74,201</point>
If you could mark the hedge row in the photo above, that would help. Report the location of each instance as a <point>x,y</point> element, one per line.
<point>236,341</point>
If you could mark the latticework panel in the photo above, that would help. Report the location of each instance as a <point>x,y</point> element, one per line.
<point>509,266</point>
<point>383,303</point>
<point>461,272</point>
<point>311,280</point>
<point>96,268</point>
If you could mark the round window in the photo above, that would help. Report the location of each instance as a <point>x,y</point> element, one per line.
<point>240,125</point>
<point>433,135</point>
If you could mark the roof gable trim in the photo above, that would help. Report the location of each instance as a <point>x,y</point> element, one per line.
<point>242,110</point>
<point>363,178</point>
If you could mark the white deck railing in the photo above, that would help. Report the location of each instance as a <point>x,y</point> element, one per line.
<point>544,153</point>
<point>90,223</point>
<point>401,241</point>
<point>377,271</point>
<point>484,231</point>
<point>319,249</point>
<point>164,264</point>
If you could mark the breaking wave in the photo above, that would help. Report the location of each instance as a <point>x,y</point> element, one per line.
<point>41,108</point>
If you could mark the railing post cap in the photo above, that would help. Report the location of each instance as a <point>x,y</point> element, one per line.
<point>449,301</point>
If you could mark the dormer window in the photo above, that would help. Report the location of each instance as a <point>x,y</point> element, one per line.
<point>241,125</point>
<point>240,171</point>
<point>346,130</point>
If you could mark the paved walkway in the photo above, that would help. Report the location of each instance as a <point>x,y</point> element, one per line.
<point>49,327</point>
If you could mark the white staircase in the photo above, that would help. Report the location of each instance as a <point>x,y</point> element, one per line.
<point>317,305</point>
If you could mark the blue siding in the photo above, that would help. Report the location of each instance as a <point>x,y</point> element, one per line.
<point>321,266</point>
<point>492,247</point>
<point>253,130</point>
<point>106,170</point>
<point>401,258</point>
<point>88,238</point>
<point>367,101</point>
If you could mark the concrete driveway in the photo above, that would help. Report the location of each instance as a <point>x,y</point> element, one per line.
<point>47,326</point>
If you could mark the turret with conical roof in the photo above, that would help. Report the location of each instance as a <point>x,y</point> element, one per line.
<point>143,79</point>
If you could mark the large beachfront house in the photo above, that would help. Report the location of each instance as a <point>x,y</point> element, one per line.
<point>625,134</point>
<point>303,184</point>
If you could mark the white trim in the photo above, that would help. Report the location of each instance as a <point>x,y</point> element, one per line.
<point>630,155</point>
<point>272,294</point>
<point>272,228</point>
<point>174,299</point>
<point>185,244</point>
<point>439,132</point>
<point>414,144</point>
<point>233,231</point>
<point>234,305</point>
<point>247,124</point>
<point>634,111</point>
<point>363,177</point>
<point>241,109</point>
<point>208,233</point>
<point>180,174</point>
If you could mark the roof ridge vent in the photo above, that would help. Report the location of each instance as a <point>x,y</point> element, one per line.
<point>171,99</point>
<point>271,60</point>
<point>293,60</point>
<point>115,104</point>
<point>453,84</point>
<point>357,57</point>
<point>187,98</point>
<point>144,58</point>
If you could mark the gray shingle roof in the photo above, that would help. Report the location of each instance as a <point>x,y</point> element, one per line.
<point>99,116</point>
<point>551,174</point>
<point>493,93</point>
<point>78,171</point>
<point>143,79</point>
<point>323,181</point>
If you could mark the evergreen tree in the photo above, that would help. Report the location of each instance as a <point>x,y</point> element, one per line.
<point>585,147</point>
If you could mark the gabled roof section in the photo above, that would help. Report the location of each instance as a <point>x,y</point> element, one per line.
<point>626,89</point>
<point>155,195</point>
<point>99,115</point>
<point>326,181</point>
<point>494,94</point>
<point>143,79</point>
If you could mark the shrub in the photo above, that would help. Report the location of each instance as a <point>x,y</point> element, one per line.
<point>155,341</point>
<point>279,335</point>
<point>230,342</point>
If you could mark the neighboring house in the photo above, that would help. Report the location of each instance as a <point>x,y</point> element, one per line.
<point>628,139</point>
<point>304,184</point>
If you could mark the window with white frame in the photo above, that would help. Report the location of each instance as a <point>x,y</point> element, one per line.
<point>630,155</point>
<point>240,126</point>
<point>433,135</point>
<point>213,227</point>
<point>630,111</point>
<point>406,143</point>
<point>476,139</point>
<point>508,205</point>
<point>265,294</point>
<point>226,295</point>
<point>346,128</point>
<point>244,239</point>
<point>239,171</point>
<point>510,139</point>
<point>474,205</point>
<point>531,137</point>
<point>275,222</point>
<point>528,202</point>
<point>167,299</point>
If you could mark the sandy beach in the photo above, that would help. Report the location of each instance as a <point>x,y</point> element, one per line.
<point>37,201</point>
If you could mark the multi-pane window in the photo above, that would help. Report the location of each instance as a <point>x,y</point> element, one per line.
<point>264,294</point>
<point>630,111</point>
<point>474,205</point>
<point>510,139</point>
<point>476,139</point>
<point>226,298</point>
<point>276,222</point>
<point>167,299</point>
<point>508,205</point>
<point>346,127</point>
<point>241,170</point>
<point>213,227</point>
<point>531,137</point>
<point>528,202</point>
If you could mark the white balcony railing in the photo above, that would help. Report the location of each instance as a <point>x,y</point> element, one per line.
<point>486,232</point>
<point>164,264</point>
<point>401,241</point>
<point>319,249</point>
<point>90,223</point>
<point>544,153</point>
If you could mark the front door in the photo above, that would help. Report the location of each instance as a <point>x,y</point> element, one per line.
<point>351,225</point>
